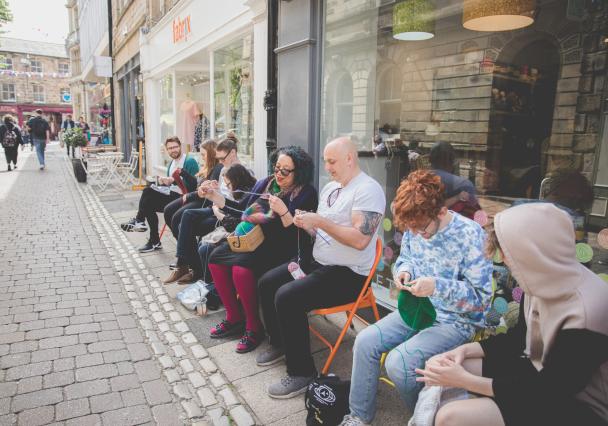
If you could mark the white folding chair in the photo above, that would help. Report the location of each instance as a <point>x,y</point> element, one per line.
<point>126,170</point>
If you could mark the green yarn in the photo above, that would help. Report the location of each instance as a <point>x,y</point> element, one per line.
<point>243,228</point>
<point>416,312</point>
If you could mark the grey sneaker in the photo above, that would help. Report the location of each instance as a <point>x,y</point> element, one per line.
<point>134,226</point>
<point>270,356</point>
<point>350,420</point>
<point>288,387</point>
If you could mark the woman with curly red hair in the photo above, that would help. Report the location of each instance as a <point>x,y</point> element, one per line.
<point>446,290</point>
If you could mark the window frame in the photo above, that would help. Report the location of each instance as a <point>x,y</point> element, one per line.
<point>5,88</point>
<point>5,61</point>
<point>34,94</point>
<point>67,68</point>
<point>39,67</point>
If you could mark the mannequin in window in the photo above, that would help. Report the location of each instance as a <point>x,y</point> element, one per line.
<point>187,118</point>
<point>201,131</point>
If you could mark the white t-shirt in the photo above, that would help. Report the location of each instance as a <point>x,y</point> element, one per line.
<point>362,193</point>
<point>176,164</point>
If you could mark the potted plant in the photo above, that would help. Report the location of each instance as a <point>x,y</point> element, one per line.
<point>76,138</point>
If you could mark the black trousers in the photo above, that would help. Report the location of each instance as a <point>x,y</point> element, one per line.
<point>150,203</point>
<point>174,211</point>
<point>195,223</point>
<point>11,154</point>
<point>286,302</point>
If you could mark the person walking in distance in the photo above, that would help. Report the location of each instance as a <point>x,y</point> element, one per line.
<point>68,123</point>
<point>10,137</point>
<point>40,132</point>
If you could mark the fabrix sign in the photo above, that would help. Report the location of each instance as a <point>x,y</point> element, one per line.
<point>181,29</point>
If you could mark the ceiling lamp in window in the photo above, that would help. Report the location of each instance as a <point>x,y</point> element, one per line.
<point>414,20</point>
<point>497,15</point>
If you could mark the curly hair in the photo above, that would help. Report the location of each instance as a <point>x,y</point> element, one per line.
<point>303,164</point>
<point>570,188</point>
<point>419,198</point>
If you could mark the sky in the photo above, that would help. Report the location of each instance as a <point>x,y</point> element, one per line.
<point>38,20</point>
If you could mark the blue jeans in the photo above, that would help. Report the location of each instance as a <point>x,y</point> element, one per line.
<point>195,222</point>
<point>40,145</point>
<point>407,350</point>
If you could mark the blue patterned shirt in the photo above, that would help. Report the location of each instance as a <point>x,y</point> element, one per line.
<point>463,275</point>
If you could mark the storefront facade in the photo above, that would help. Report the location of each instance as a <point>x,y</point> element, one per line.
<point>207,62</point>
<point>518,105</point>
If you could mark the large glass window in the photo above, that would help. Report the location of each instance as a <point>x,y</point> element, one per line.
<point>233,94</point>
<point>521,108</point>
<point>167,113</point>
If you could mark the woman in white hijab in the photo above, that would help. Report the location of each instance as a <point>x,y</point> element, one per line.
<point>552,368</point>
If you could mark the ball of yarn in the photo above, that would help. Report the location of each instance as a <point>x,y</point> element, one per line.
<point>602,238</point>
<point>512,315</point>
<point>481,217</point>
<point>500,305</point>
<point>397,238</point>
<point>493,317</point>
<point>584,252</point>
<point>497,258</point>
<point>516,294</point>
<point>501,329</point>
<point>243,228</point>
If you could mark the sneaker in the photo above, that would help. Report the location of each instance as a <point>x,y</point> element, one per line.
<point>173,266</point>
<point>289,386</point>
<point>150,246</point>
<point>134,226</point>
<point>225,329</point>
<point>41,167</point>
<point>249,341</point>
<point>9,168</point>
<point>350,420</point>
<point>177,274</point>
<point>270,356</point>
<point>15,167</point>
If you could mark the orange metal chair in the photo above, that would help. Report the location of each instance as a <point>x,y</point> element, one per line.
<point>366,299</point>
<point>162,231</point>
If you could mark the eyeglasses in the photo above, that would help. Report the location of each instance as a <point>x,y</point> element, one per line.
<point>284,172</point>
<point>424,230</point>
<point>222,158</point>
<point>333,196</point>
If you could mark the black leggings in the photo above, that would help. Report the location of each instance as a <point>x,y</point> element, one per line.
<point>174,211</point>
<point>286,302</point>
<point>11,154</point>
<point>150,203</point>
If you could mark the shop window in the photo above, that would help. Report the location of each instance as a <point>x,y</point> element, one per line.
<point>38,93</point>
<point>8,92</point>
<point>35,65</point>
<point>344,105</point>
<point>64,68</point>
<point>167,113</point>
<point>522,109</point>
<point>233,96</point>
<point>6,63</point>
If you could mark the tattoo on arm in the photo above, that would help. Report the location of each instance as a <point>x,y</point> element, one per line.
<point>369,223</point>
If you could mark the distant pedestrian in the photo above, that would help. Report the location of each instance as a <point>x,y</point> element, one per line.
<point>86,130</point>
<point>10,137</point>
<point>68,123</point>
<point>40,132</point>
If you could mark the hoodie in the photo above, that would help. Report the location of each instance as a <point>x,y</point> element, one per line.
<point>565,313</point>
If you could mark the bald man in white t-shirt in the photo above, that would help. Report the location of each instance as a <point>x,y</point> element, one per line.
<point>350,209</point>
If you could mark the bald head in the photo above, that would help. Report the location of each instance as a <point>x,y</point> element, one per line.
<point>341,159</point>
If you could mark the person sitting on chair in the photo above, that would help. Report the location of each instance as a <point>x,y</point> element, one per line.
<point>441,267</point>
<point>272,203</point>
<point>155,198</point>
<point>350,209</point>
<point>552,367</point>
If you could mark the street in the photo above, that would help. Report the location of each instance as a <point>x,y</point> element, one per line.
<point>87,336</point>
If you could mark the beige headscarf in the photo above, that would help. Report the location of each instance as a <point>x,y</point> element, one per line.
<point>539,247</point>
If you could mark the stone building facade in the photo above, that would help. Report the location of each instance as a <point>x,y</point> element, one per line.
<point>34,75</point>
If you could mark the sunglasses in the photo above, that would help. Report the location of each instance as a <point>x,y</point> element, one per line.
<point>333,196</point>
<point>284,172</point>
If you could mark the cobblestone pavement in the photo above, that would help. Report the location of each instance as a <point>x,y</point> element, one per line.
<point>87,335</point>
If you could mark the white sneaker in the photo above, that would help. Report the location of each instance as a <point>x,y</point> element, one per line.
<point>350,420</point>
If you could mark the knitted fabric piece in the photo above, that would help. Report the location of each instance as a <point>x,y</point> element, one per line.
<point>416,312</point>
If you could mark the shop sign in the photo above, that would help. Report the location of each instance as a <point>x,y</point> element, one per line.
<point>6,108</point>
<point>106,90</point>
<point>103,66</point>
<point>181,29</point>
<point>66,97</point>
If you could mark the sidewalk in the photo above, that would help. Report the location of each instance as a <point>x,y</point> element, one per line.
<point>244,376</point>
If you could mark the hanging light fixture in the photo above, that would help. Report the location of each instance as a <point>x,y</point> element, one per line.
<point>414,20</point>
<point>497,15</point>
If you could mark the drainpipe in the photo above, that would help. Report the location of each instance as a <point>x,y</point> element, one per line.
<point>270,97</point>
<point>110,51</point>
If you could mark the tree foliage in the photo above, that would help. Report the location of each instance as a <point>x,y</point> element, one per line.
<point>5,12</point>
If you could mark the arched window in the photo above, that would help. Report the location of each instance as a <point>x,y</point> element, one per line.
<point>389,99</point>
<point>344,105</point>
